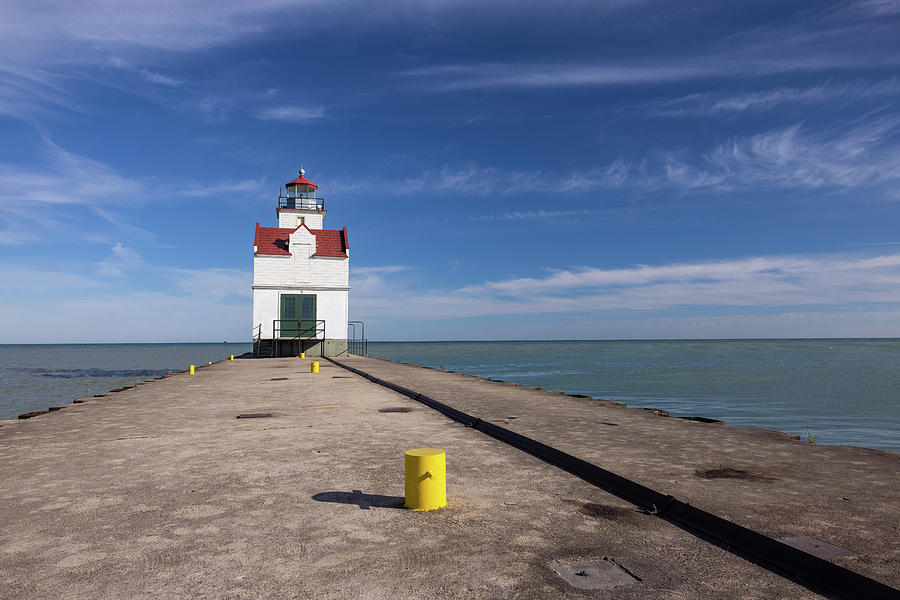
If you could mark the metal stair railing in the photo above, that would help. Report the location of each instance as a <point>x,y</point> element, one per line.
<point>357,345</point>
<point>296,329</point>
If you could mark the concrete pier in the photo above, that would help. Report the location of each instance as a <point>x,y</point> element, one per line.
<point>160,491</point>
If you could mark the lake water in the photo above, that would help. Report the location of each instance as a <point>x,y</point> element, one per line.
<point>848,390</point>
<point>33,377</point>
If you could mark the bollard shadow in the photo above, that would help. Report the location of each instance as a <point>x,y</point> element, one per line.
<point>364,501</point>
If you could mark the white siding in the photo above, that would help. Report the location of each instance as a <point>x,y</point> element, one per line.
<point>301,273</point>
<point>288,219</point>
<point>331,306</point>
<point>301,268</point>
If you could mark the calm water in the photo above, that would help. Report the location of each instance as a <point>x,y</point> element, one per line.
<point>33,377</point>
<point>848,390</point>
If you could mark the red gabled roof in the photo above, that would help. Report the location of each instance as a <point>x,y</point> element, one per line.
<point>330,242</point>
<point>301,181</point>
<point>275,241</point>
<point>272,240</point>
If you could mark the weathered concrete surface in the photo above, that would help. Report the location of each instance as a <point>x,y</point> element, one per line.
<point>764,480</point>
<point>159,491</point>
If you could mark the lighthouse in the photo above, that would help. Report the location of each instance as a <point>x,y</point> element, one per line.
<point>301,278</point>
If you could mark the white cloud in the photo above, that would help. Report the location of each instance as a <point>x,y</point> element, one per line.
<point>77,189</point>
<point>63,178</point>
<point>370,281</point>
<point>159,78</point>
<point>212,283</point>
<point>171,304</point>
<point>15,236</point>
<point>122,259</point>
<point>760,282</point>
<point>143,316</point>
<point>19,281</point>
<point>291,113</point>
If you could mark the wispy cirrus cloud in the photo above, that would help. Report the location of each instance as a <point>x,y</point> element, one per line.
<point>214,283</point>
<point>844,156</point>
<point>527,215</point>
<point>291,113</point>
<point>619,173</point>
<point>159,78</point>
<point>202,190</point>
<point>371,281</point>
<point>86,196</point>
<point>203,303</point>
<point>453,179</point>
<point>850,35</point>
<point>733,62</point>
<point>866,152</point>
<point>29,92</point>
<point>63,177</point>
<point>711,104</point>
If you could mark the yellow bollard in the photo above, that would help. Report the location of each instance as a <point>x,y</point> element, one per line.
<point>231,357</point>
<point>314,367</point>
<point>303,355</point>
<point>192,369</point>
<point>426,479</point>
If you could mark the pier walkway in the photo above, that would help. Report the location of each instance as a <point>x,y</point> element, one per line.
<point>161,492</point>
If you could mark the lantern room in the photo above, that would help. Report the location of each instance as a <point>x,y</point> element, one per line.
<point>300,204</point>
<point>301,194</point>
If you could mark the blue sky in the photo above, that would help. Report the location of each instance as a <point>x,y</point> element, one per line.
<point>506,170</point>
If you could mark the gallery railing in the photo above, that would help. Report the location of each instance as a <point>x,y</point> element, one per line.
<point>301,203</point>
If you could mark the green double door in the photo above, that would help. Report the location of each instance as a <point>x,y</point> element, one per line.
<point>298,315</point>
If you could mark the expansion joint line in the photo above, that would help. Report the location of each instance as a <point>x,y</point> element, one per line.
<point>768,552</point>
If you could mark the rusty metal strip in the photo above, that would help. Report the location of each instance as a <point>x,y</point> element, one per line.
<point>774,555</point>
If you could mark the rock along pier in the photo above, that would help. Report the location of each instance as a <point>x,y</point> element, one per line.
<point>160,491</point>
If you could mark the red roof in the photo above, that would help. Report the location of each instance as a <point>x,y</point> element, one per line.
<point>272,240</point>
<point>275,241</point>
<point>303,181</point>
<point>330,242</point>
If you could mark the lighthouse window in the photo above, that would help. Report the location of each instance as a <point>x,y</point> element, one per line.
<point>309,307</point>
<point>290,307</point>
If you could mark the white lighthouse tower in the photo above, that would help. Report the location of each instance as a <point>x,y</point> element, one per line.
<point>301,278</point>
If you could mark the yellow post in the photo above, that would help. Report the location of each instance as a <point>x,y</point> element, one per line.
<point>426,479</point>
<point>303,355</point>
<point>314,367</point>
<point>231,357</point>
<point>192,369</point>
